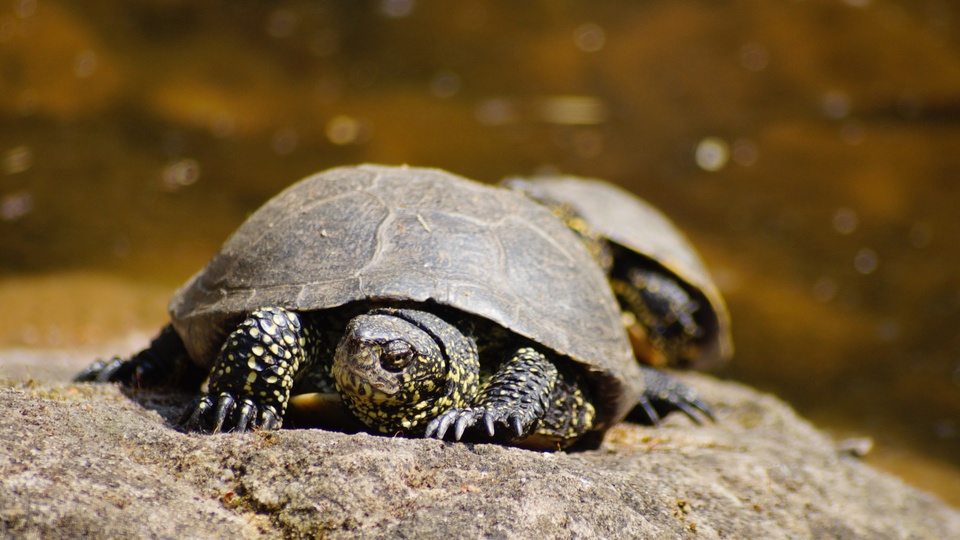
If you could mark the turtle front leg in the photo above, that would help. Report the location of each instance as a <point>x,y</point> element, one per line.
<point>165,363</point>
<point>527,394</point>
<point>250,383</point>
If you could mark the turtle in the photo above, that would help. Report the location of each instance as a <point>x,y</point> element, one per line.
<point>429,304</point>
<point>673,311</point>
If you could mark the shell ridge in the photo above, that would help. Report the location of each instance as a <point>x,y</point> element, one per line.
<point>502,258</point>
<point>381,240</point>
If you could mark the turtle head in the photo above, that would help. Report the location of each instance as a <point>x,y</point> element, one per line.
<point>661,317</point>
<point>395,371</point>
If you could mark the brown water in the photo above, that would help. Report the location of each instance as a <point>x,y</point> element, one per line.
<point>810,148</point>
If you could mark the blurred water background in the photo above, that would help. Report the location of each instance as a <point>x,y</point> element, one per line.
<point>810,148</point>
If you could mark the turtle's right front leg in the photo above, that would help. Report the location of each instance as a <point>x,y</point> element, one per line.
<point>250,383</point>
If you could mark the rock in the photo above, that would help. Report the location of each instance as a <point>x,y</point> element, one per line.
<point>87,460</point>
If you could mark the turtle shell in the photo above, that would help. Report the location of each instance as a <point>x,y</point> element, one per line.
<point>634,224</point>
<point>376,233</point>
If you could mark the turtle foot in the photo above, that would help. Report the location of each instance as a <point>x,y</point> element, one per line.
<point>664,394</point>
<point>164,363</point>
<point>227,413</point>
<point>115,369</point>
<point>461,419</point>
<point>517,397</point>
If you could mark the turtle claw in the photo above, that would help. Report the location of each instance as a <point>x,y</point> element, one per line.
<point>518,426</point>
<point>652,415</point>
<point>460,419</point>
<point>193,415</point>
<point>431,429</point>
<point>694,408</point>
<point>463,419</point>
<point>466,420</point>
<point>225,405</point>
<point>223,415</point>
<point>488,422</point>
<point>246,415</point>
<point>101,371</point>
<point>438,426</point>
<point>509,419</point>
<point>270,419</point>
<point>132,373</point>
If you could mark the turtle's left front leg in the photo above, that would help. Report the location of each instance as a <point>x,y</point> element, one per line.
<point>250,383</point>
<point>527,394</point>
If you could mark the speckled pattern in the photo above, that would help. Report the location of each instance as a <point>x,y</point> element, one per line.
<point>256,369</point>
<point>531,395</point>
<point>398,369</point>
<point>658,310</point>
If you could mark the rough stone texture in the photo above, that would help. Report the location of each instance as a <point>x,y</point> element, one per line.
<point>87,460</point>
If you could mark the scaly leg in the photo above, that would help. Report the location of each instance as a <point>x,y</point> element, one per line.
<point>253,374</point>
<point>527,394</point>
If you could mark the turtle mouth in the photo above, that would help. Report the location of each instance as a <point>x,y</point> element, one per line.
<point>355,385</point>
<point>358,370</point>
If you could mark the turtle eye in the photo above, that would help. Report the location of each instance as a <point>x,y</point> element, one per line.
<point>396,355</point>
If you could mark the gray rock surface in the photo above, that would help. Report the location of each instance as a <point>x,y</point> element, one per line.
<point>88,460</point>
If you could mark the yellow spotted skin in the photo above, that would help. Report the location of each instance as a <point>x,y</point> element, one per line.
<point>528,392</point>
<point>399,371</point>
<point>458,385</point>
<point>253,376</point>
<point>570,412</point>
<point>442,372</point>
<point>663,329</point>
<point>556,405</point>
<point>260,358</point>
